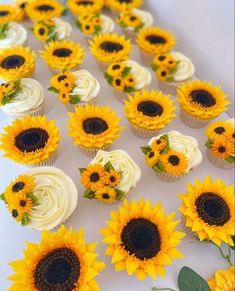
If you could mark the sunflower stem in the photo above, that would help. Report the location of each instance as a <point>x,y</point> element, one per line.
<point>226,257</point>
<point>162,289</point>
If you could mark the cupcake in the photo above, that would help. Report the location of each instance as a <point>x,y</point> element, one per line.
<point>75,88</point>
<point>63,55</point>
<point>221,144</point>
<point>208,211</point>
<point>153,41</point>
<point>22,97</point>
<point>16,62</point>
<point>81,7</point>
<point>172,155</point>
<point>110,48</point>
<point>200,102</point>
<point>93,128</point>
<point>171,70</point>
<point>110,176</point>
<point>148,112</point>
<point>12,34</point>
<point>42,198</point>
<point>118,6</point>
<point>31,141</point>
<point>127,77</point>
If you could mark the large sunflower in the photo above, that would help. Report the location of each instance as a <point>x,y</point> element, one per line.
<point>149,109</point>
<point>7,13</point>
<point>110,47</point>
<point>155,40</point>
<point>142,239</point>
<point>44,9</point>
<point>64,54</point>
<point>218,129</point>
<point>202,99</point>
<point>79,7</point>
<point>61,261</point>
<point>223,280</point>
<point>16,62</point>
<point>93,126</point>
<point>208,208</point>
<point>30,140</point>
<point>120,5</point>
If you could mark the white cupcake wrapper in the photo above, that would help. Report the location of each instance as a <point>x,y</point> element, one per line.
<point>146,58</point>
<point>39,111</point>
<point>91,152</point>
<point>48,162</point>
<point>143,133</point>
<point>218,162</point>
<point>192,121</point>
<point>166,177</point>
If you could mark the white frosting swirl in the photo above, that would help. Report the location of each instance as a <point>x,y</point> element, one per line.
<point>145,16</point>
<point>63,28</point>
<point>28,99</point>
<point>107,24</point>
<point>231,121</point>
<point>185,68</point>
<point>185,144</point>
<point>123,163</point>
<point>85,85</point>
<point>141,74</point>
<point>57,198</point>
<point>16,34</point>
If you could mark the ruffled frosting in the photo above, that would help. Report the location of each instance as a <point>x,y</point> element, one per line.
<point>146,17</point>
<point>185,68</point>
<point>16,34</point>
<point>63,28</point>
<point>107,24</point>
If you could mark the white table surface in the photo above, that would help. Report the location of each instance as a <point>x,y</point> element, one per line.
<point>91,215</point>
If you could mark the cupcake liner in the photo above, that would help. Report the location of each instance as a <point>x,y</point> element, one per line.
<point>146,58</point>
<point>91,152</point>
<point>129,34</point>
<point>143,133</point>
<point>39,111</point>
<point>166,177</point>
<point>48,162</point>
<point>218,162</point>
<point>192,121</point>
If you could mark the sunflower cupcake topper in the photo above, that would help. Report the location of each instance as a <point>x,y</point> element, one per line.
<point>90,24</point>
<point>45,30</point>
<point>85,7</point>
<point>129,19</point>
<point>120,6</point>
<point>8,91</point>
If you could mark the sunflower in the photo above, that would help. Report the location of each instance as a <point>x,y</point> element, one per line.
<point>218,129</point>
<point>131,20</point>
<point>8,87</point>
<point>154,40</point>
<point>115,69</point>
<point>64,96</point>
<point>41,31</point>
<point>120,5</point>
<point>163,74</point>
<point>93,126</point>
<point>106,195</point>
<point>174,163</point>
<point>16,62</point>
<point>93,177</point>
<point>223,280</point>
<point>66,86</point>
<point>118,84</point>
<point>129,81</point>
<point>30,140</point>
<point>152,158</point>
<point>161,60</point>
<point>64,54</point>
<point>7,13</point>
<point>88,28</point>
<point>44,9</point>
<point>113,178</point>
<point>21,7</point>
<point>62,260</point>
<point>110,47</point>
<point>202,99</point>
<point>149,109</point>
<point>208,208</point>
<point>222,148</point>
<point>85,7</point>
<point>1,96</point>
<point>56,80</point>
<point>142,239</point>
<point>160,143</point>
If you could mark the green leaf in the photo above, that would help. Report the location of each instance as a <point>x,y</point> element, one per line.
<point>25,219</point>
<point>108,78</point>
<point>230,159</point>
<point>233,238</point>
<point>2,197</point>
<point>89,194</point>
<point>189,280</point>
<point>53,89</point>
<point>159,167</point>
<point>79,25</point>
<point>81,170</point>
<point>154,67</point>
<point>98,30</point>
<point>52,37</point>
<point>108,166</point>
<point>139,27</point>
<point>126,71</point>
<point>146,149</point>
<point>3,28</point>
<point>120,194</point>
<point>122,24</point>
<point>64,13</point>
<point>166,149</point>
<point>208,143</point>
<point>74,99</point>
<point>32,197</point>
<point>129,89</point>
<point>170,79</point>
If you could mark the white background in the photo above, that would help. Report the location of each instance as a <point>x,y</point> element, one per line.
<point>204,32</point>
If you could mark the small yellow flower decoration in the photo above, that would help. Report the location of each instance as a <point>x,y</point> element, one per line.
<point>159,144</point>
<point>223,148</point>
<point>120,6</point>
<point>201,99</point>
<point>80,7</point>
<point>61,259</point>
<point>93,177</point>
<point>56,80</point>
<point>152,158</point>
<point>129,19</point>
<point>90,24</point>
<point>149,109</point>
<point>154,40</point>
<point>7,13</point>
<point>142,239</point>
<point>30,140</point>
<point>223,280</point>
<point>94,126</point>
<point>41,30</point>
<point>208,209</point>
<point>16,62</point>
<point>8,91</point>
<point>62,55</point>
<point>106,195</point>
<point>218,129</point>
<point>110,47</point>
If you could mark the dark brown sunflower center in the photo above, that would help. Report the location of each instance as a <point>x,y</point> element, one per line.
<point>161,58</point>
<point>58,270</point>
<point>22,5</point>
<point>221,149</point>
<point>85,3</point>
<point>151,155</point>
<point>45,8</point>
<point>41,31</point>
<point>133,18</point>
<point>174,160</point>
<point>22,203</point>
<point>94,125</point>
<point>141,238</point>
<point>62,78</point>
<point>233,135</point>
<point>12,62</point>
<point>62,52</point>
<point>212,209</point>
<point>94,177</point>
<point>155,39</point>
<point>31,139</point>
<point>150,108</point>
<point>4,13</point>
<point>112,179</point>
<point>111,47</point>
<point>125,1</point>
<point>219,130</point>
<point>105,196</point>
<point>203,98</point>
<point>14,213</point>
<point>116,67</point>
<point>18,186</point>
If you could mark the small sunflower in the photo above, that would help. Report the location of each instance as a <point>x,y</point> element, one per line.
<point>118,84</point>
<point>88,28</point>
<point>7,13</point>
<point>110,47</point>
<point>160,143</point>
<point>152,158</point>
<point>44,9</point>
<point>202,99</point>
<point>222,148</point>
<point>21,7</point>
<point>149,109</point>
<point>174,163</point>
<point>208,209</point>
<point>142,239</point>
<point>30,140</point>
<point>16,62</point>
<point>1,96</point>
<point>106,195</point>
<point>67,85</point>
<point>8,87</point>
<point>113,178</point>
<point>120,5</point>
<point>161,60</point>
<point>64,96</point>
<point>41,31</point>
<point>93,177</point>
<point>223,280</point>
<point>155,40</point>
<point>163,74</point>
<point>62,55</point>
<point>116,69</point>
<point>93,126</point>
<point>62,260</point>
<point>129,81</point>
<point>218,129</point>
<point>56,80</point>
<point>85,7</point>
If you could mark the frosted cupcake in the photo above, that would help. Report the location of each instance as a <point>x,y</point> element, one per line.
<point>110,176</point>
<point>93,128</point>
<point>22,97</point>
<point>200,102</point>
<point>75,88</point>
<point>171,70</point>
<point>148,112</point>
<point>127,77</point>
<point>221,143</point>
<point>12,34</point>
<point>172,155</point>
<point>31,141</point>
<point>42,198</point>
